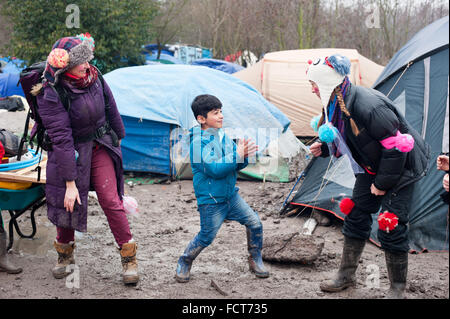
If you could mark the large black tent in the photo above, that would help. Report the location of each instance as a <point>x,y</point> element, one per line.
<point>417,81</point>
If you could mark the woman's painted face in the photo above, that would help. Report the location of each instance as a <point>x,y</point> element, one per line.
<point>315,89</point>
<point>79,70</point>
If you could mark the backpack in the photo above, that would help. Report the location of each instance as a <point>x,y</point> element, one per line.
<point>10,144</point>
<point>32,76</point>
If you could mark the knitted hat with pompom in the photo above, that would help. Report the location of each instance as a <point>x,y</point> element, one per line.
<point>66,53</point>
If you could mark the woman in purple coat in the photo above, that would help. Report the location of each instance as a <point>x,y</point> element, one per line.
<point>85,152</point>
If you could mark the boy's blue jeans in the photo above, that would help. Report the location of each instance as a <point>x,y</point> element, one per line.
<point>213,215</point>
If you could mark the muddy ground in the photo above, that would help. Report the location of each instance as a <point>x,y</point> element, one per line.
<point>168,220</point>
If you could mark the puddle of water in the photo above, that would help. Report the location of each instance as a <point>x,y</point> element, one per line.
<point>40,244</point>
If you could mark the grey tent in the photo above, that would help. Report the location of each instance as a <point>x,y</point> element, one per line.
<point>417,80</point>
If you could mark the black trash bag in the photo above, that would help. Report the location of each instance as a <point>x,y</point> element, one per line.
<point>12,104</point>
<point>11,142</point>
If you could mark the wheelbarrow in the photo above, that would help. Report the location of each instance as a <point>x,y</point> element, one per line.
<point>17,203</point>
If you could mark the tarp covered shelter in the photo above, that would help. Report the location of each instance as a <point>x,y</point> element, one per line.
<point>8,85</point>
<point>9,77</point>
<point>155,104</point>
<point>417,80</point>
<point>281,79</point>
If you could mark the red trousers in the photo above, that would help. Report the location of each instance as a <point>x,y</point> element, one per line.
<point>103,179</point>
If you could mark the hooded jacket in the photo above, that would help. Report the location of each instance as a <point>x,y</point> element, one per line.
<point>87,113</point>
<point>377,119</point>
<point>214,163</point>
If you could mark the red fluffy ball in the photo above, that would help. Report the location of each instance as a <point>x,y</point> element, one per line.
<point>346,205</point>
<point>387,221</point>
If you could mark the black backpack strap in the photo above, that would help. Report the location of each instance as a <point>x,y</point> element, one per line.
<point>115,138</point>
<point>25,134</point>
<point>63,95</point>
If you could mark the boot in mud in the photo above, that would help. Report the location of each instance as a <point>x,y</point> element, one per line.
<point>254,244</point>
<point>6,265</point>
<point>130,274</point>
<point>184,265</point>
<point>345,276</point>
<point>397,266</point>
<point>65,259</point>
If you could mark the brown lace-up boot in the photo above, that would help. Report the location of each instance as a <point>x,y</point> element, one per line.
<point>129,263</point>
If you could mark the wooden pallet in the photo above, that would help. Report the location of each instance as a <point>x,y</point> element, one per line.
<point>27,174</point>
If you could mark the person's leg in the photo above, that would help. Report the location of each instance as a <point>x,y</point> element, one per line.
<point>241,212</point>
<point>394,239</point>
<point>356,230</point>
<point>211,218</point>
<point>65,235</point>
<point>103,179</point>
<point>64,245</point>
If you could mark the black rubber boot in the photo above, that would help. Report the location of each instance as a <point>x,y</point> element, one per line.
<point>255,243</point>
<point>5,264</point>
<point>397,266</point>
<point>185,261</point>
<point>345,276</point>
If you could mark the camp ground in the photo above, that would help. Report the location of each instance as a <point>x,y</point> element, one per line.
<point>155,104</point>
<point>281,78</point>
<point>416,79</point>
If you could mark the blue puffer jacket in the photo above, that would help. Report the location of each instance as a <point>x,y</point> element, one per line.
<point>214,163</point>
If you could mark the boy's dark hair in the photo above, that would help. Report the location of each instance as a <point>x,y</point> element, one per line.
<point>205,103</point>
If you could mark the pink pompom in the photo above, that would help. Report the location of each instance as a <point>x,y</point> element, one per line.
<point>387,221</point>
<point>405,143</point>
<point>346,205</point>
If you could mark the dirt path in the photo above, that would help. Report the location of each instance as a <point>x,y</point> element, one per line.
<point>168,221</point>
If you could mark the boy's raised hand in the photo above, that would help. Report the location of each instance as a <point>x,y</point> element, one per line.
<point>246,148</point>
<point>442,163</point>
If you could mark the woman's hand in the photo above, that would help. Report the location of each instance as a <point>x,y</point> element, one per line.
<point>71,196</point>
<point>445,182</point>
<point>316,149</point>
<point>376,191</point>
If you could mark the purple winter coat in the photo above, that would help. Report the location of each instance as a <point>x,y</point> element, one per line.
<point>87,113</point>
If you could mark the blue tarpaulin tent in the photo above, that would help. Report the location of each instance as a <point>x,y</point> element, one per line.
<point>8,85</point>
<point>417,80</point>
<point>153,100</point>
<point>9,77</point>
<point>219,65</point>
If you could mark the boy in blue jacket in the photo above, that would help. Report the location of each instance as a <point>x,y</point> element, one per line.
<point>215,160</point>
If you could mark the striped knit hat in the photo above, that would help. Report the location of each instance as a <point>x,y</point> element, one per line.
<point>66,53</point>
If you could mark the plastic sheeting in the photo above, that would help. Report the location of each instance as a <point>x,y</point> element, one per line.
<point>8,85</point>
<point>164,93</point>
<point>220,65</point>
<point>155,99</point>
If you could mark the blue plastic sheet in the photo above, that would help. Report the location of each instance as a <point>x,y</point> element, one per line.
<point>164,93</point>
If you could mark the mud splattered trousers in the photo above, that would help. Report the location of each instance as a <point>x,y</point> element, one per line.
<point>358,223</point>
<point>103,179</point>
<point>212,217</point>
